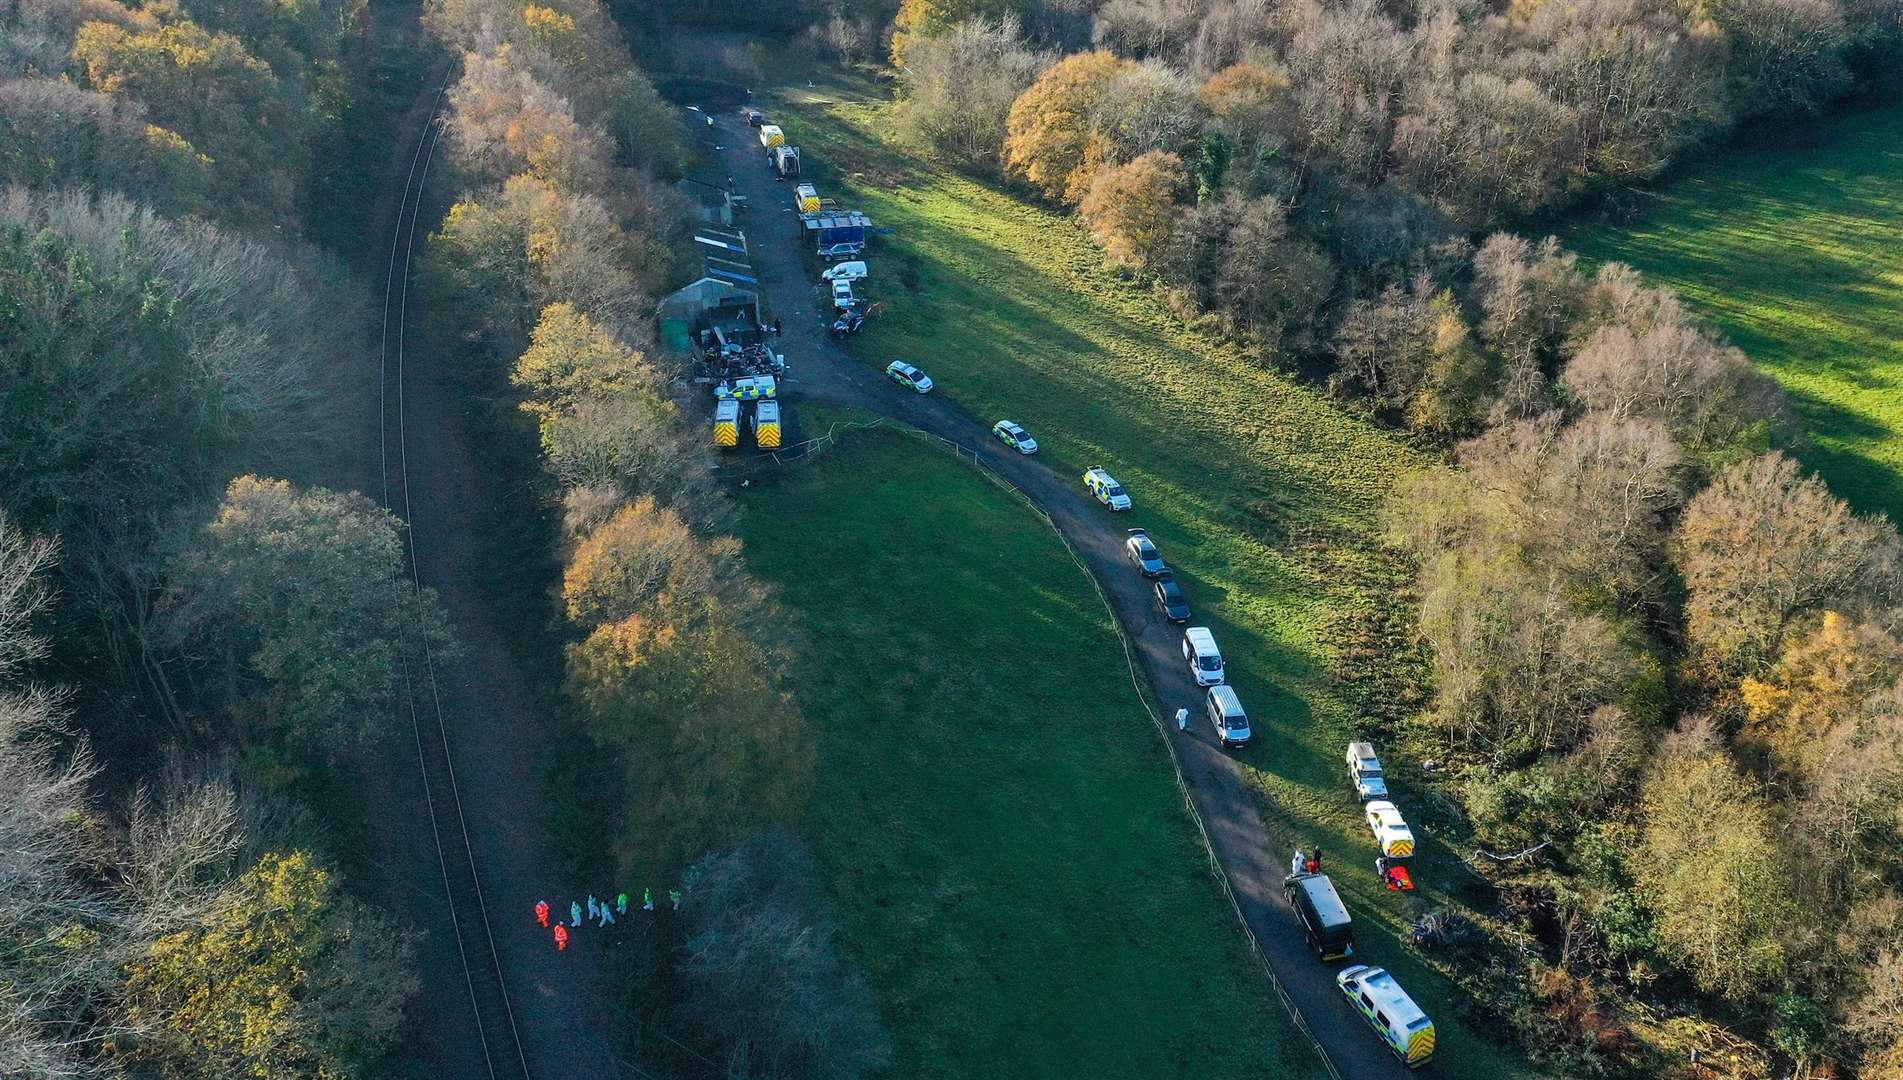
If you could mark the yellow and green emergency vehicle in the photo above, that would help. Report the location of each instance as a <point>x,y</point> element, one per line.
<point>1390,1012</point>
<point>766,424</point>
<point>806,199</point>
<point>727,424</point>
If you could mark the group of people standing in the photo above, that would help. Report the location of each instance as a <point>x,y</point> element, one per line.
<point>600,910</point>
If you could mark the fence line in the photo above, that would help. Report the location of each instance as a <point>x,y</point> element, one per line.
<point>965,453</point>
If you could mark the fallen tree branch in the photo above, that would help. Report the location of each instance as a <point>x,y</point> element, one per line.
<point>1534,850</point>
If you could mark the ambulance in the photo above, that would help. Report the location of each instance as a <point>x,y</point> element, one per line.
<point>771,136</point>
<point>806,199</point>
<point>1390,1012</point>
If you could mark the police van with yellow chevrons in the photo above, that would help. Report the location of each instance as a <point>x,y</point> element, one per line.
<point>1390,1012</point>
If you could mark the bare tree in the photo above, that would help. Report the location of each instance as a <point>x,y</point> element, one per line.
<point>1765,544</point>
<point>959,87</point>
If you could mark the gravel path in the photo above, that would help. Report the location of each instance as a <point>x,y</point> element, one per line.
<point>822,370</point>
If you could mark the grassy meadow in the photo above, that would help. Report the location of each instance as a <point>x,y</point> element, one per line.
<point>1006,849</point>
<point>1795,251</point>
<point>1264,496</point>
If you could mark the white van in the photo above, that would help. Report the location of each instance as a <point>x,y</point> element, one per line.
<point>845,271</point>
<point>1200,652</point>
<point>1227,717</point>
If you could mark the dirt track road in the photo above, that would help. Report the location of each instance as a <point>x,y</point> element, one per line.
<point>823,370</point>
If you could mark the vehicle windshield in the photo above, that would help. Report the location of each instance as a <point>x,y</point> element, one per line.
<point>1209,663</point>
<point>1236,723</point>
<point>1371,772</point>
<point>1116,490</point>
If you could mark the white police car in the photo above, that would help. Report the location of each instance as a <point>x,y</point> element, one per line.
<point>1014,437</point>
<point>1106,489</point>
<point>909,377</point>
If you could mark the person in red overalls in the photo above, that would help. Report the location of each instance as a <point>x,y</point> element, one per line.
<point>561,937</point>
<point>541,912</point>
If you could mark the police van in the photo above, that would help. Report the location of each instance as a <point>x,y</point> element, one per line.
<point>1324,917</point>
<point>1390,1012</point>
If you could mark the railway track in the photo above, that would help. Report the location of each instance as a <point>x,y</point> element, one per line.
<point>502,1052</point>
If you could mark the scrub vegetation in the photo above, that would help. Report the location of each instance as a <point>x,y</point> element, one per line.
<point>993,812</point>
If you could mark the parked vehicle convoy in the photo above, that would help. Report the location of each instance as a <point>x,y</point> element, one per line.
<point>909,377</point>
<point>1014,437</point>
<point>1391,833</point>
<point>1364,772</point>
<point>1390,1012</point>
<point>1105,488</point>
<point>1227,717</point>
<point>1142,552</point>
<point>1204,659</point>
<point>727,424</point>
<point>1324,918</point>
<point>1171,601</point>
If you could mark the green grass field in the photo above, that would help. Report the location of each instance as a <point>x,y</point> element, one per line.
<point>1264,495</point>
<point>1796,253</point>
<point>994,812</point>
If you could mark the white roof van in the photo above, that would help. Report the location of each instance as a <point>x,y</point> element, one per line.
<point>1204,659</point>
<point>1227,717</point>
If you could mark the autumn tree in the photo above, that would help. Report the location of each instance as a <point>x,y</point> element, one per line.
<point>1592,500</point>
<point>674,665</point>
<point>1715,401</point>
<point>223,101</point>
<point>1764,545</point>
<point>1828,720</point>
<point>1786,55</point>
<point>1049,135</point>
<point>1529,296</point>
<point>295,600</point>
<point>502,256</point>
<point>1413,352</point>
<point>1488,148</point>
<point>1240,258</point>
<point>959,86</point>
<point>1346,70</point>
<point>573,49</point>
<point>1709,867</point>
<point>918,20</point>
<point>1248,105</point>
<point>60,953</point>
<point>287,976</point>
<point>53,133</point>
<point>1130,207</point>
<point>504,122</point>
<point>1518,668</point>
